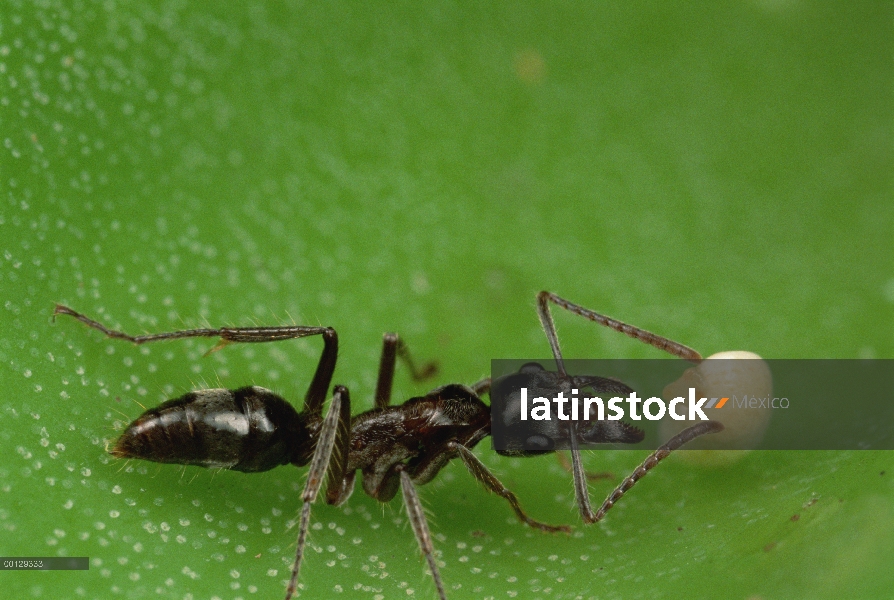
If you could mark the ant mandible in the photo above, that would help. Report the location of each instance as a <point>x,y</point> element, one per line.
<point>251,429</point>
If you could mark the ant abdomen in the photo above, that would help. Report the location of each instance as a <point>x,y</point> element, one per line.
<point>248,429</point>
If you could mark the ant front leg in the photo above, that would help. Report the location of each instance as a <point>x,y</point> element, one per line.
<point>580,485</point>
<point>647,337</point>
<point>319,386</point>
<point>566,464</point>
<point>581,491</point>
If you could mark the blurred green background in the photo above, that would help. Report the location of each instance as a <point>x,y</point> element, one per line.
<point>718,173</point>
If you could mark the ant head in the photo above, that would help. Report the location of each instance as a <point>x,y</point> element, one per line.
<point>601,385</point>
<point>611,432</point>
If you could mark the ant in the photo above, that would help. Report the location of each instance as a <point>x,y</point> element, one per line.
<point>402,446</point>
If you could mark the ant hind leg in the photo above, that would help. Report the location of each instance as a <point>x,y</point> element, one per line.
<point>339,409</point>
<point>319,385</point>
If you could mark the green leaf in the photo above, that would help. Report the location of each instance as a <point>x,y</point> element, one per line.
<point>718,174</point>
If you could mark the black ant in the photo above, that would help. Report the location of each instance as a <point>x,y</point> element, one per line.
<point>394,446</point>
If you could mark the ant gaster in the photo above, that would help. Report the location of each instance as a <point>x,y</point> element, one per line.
<point>251,429</point>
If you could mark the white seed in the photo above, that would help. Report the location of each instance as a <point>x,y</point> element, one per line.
<point>744,377</point>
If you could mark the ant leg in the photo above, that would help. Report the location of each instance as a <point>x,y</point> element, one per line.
<point>566,464</point>
<point>340,406</point>
<point>580,486</point>
<point>482,387</point>
<point>319,386</point>
<point>480,472</point>
<point>392,347</point>
<point>340,485</point>
<point>420,529</point>
<point>662,343</point>
<point>647,337</point>
<point>581,492</point>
